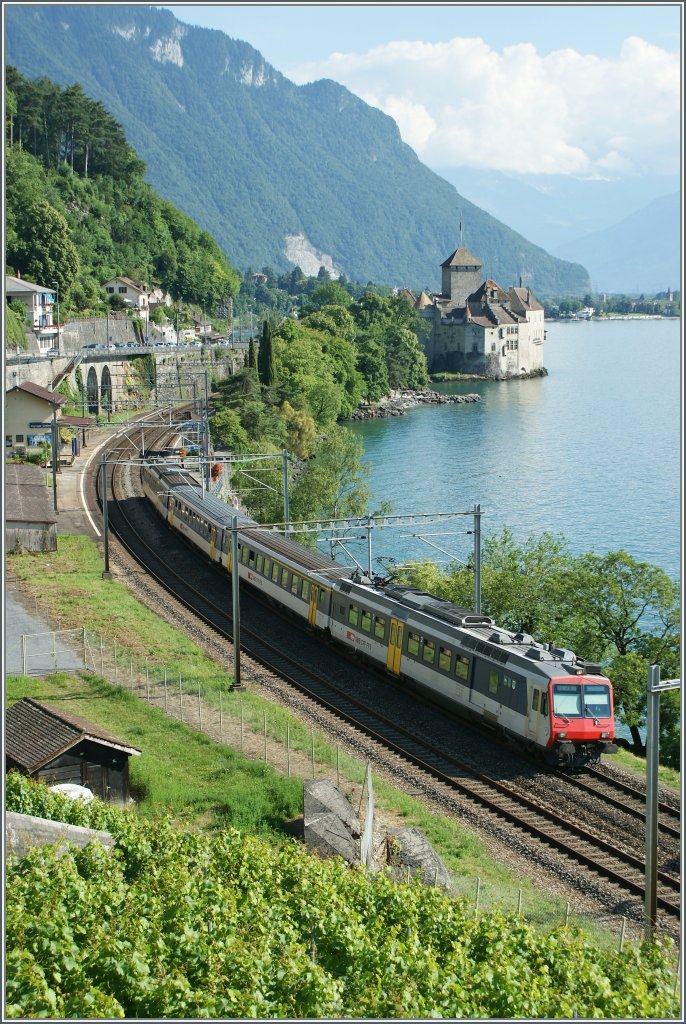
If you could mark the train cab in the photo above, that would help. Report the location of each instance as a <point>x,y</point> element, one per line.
<point>581,719</point>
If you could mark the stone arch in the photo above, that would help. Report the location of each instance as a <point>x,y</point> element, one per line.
<point>106,389</point>
<point>92,391</point>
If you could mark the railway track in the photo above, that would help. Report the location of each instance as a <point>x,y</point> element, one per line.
<point>604,860</point>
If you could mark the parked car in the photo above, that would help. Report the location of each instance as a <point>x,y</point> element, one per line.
<point>52,352</point>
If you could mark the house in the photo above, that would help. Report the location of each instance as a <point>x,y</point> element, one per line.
<point>478,327</point>
<point>135,295</point>
<point>55,746</point>
<point>39,302</point>
<point>29,417</point>
<point>30,520</point>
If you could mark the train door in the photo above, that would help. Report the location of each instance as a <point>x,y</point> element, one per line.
<point>170,516</point>
<point>213,538</point>
<point>395,646</point>
<point>314,598</point>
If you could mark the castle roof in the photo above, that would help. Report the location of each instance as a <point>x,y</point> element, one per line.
<point>523,299</point>
<point>462,258</point>
<point>423,301</point>
<point>489,290</point>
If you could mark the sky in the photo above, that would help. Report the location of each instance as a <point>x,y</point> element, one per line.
<point>597,87</point>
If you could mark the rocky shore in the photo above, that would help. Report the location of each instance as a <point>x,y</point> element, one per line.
<point>398,402</point>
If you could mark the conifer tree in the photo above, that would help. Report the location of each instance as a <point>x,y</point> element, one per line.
<point>252,359</point>
<point>265,360</point>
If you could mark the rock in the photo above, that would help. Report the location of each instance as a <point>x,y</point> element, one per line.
<point>409,848</point>
<point>331,827</point>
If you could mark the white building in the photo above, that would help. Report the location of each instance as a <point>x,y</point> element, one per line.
<point>40,309</point>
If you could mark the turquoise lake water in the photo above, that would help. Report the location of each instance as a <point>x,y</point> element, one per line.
<point>592,451</point>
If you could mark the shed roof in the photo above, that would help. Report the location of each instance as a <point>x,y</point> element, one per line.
<point>28,386</point>
<point>27,499</point>
<point>36,733</point>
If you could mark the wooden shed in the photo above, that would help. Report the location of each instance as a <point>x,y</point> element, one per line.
<point>55,746</point>
<point>30,520</point>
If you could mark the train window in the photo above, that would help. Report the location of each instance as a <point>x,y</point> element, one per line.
<point>276,568</point>
<point>544,703</point>
<point>353,615</point>
<point>366,621</point>
<point>444,657</point>
<point>260,563</point>
<point>535,697</point>
<point>596,700</point>
<point>567,700</point>
<point>244,555</point>
<point>413,643</point>
<point>322,598</point>
<point>509,682</point>
<point>461,667</point>
<point>493,681</point>
<point>379,626</point>
<point>306,590</point>
<point>251,560</point>
<point>284,577</point>
<point>295,580</point>
<point>429,652</point>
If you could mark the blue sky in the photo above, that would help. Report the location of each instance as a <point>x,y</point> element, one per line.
<point>291,34</point>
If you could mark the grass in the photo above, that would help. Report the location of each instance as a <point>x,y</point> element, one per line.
<point>204,784</point>
<point>668,776</point>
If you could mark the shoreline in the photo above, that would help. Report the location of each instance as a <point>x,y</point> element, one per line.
<point>399,402</point>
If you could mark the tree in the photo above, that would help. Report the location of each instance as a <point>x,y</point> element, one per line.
<point>265,360</point>
<point>45,252</point>
<point>334,482</point>
<point>252,359</point>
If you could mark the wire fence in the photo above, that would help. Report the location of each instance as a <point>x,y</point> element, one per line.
<point>224,717</point>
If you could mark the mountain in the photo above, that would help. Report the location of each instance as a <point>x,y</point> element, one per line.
<point>640,254</point>
<point>554,209</point>
<point>256,160</point>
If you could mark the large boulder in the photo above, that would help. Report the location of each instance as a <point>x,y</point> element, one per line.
<point>331,827</point>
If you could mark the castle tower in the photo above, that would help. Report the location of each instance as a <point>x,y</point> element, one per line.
<point>461,275</point>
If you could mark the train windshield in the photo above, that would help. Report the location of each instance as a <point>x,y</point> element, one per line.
<point>572,700</point>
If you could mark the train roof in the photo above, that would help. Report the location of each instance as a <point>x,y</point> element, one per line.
<point>222,514</point>
<point>480,634</point>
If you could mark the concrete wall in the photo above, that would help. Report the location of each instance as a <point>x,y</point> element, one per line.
<point>24,831</point>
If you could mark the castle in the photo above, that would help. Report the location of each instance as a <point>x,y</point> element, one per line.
<point>476,327</point>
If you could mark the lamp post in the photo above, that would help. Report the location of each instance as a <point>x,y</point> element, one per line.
<point>57,287</point>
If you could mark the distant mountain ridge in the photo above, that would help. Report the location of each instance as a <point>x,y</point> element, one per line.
<point>641,254</point>
<point>254,159</point>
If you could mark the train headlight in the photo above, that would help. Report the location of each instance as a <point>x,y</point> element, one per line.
<point>604,735</point>
<point>562,735</point>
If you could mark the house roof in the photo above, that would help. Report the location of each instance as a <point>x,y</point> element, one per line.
<point>462,257</point>
<point>36,734</point>
<point>18,286</point>
<point>27,499</point>
<point>53,397</point>
<point>132,284</point>
<point>489,290</point>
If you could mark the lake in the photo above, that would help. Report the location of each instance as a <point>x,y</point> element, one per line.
<point>592,451</point>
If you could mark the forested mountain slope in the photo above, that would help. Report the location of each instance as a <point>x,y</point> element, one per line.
<point>254,158</point>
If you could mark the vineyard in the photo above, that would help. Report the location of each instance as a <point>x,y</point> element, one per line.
<point>181,924</point>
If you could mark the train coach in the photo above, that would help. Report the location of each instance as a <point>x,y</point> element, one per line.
<point>543,698</point>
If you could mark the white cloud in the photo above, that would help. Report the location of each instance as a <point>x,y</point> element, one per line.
<point>461,102</point>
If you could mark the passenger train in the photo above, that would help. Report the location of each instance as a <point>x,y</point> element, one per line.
<point>543,698</point>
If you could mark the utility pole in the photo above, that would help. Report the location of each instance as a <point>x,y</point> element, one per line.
<point>56,284</point>
<point>55,457</point>
<point>655,688</point>
<point>477,559</point>
<point>235,608</point>
<point>206,428</point>
<point>105,522</point>
<point>286,513</point>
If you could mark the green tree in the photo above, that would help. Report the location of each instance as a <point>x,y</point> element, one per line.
<point>45,252</point>
<point>226,431</point>
<point>252,359</point>
<point>265,360</point>
<point>333,484</point>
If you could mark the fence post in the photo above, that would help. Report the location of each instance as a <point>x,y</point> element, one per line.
<point>241,703</point>
<point>338,774</point>
<point>180,697</point>
<point>54,650</point>
<point>85,664</point>
<point>313,753</point>
<point>567,914</point>
<point>165,689</point>
<point>24,659</point>
<point>102,658</point>
<point>519,904</point>
<point>199,709</point>
<point>147,679</point>
<point>288,747</point>
<point>116,679</point>
<point>478,893</point>
<point>265,737</point>
<point>221,723</point>
<point>131,671</point>
<point>621,935</point>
